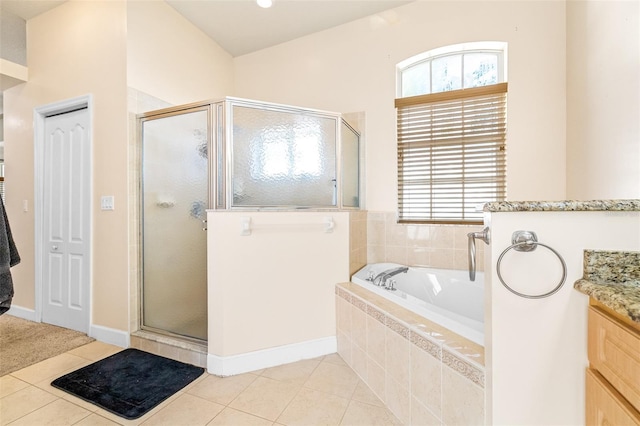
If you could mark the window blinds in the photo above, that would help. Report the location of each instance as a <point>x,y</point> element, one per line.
<point>451,154</point>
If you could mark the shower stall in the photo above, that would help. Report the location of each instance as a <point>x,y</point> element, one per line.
<point>232,154</point>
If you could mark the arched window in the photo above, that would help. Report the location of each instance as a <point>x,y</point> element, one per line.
<point>451,122</point>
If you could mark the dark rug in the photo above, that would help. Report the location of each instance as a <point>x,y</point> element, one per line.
<point>129,383</point>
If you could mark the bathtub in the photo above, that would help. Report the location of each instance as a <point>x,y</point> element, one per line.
<point>443,296</point>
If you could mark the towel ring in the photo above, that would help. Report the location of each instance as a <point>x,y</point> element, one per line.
<point>520,246</point>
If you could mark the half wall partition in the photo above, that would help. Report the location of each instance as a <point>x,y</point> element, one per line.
<point>235,155</point>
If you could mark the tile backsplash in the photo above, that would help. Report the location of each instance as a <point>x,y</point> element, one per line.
<point>437,246</point>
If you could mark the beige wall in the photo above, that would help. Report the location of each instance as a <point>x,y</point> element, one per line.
<point>76,49</point>
<point>274,287</point>
<point>170,59</point>
<point>352,68</point>
<point>101,48</point>
<point>603,102</point>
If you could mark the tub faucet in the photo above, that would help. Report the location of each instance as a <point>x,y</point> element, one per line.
<point>382,277</point>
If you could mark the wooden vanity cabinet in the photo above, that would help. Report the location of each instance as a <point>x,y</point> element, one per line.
<point>613,379</point>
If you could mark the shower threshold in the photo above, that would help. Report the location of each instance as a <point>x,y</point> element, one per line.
<point>178,348</point>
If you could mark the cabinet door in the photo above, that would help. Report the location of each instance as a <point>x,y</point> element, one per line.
<point>605,406</point>
<point>614,350</point>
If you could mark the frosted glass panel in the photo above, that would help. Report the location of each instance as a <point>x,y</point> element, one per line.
<point>174,179</point>
<point>350,170</point>
<point>283,158</point>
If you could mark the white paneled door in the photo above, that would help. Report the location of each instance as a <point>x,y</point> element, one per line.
<point>66,221</point>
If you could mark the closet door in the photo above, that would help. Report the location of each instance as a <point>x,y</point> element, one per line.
<point>66,221</point>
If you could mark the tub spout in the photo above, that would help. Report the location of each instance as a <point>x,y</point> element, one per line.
<point>382,277</point>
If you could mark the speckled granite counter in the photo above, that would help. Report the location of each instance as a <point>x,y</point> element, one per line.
<point>613,279</point>
<point>567,205</point>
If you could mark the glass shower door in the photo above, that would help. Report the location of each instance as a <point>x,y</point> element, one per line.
<point>174,202</point>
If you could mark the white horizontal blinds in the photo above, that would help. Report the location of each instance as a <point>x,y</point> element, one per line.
<point>451,154</point>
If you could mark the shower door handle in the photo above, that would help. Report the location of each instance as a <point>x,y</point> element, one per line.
<point>484,236</point>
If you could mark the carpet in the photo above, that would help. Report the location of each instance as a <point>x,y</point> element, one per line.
<point>24,343</point>
<point>129,383</point>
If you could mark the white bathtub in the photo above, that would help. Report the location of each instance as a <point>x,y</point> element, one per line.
<point>443,296</point>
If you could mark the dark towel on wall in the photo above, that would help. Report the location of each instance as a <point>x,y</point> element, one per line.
<point>8,257</point>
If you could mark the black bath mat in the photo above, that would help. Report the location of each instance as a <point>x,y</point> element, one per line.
<point>129,383</point>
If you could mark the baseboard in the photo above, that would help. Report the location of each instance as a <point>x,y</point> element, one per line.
<point>110,335</point>
<point>24,313</point>
<point>98,332</point>
<point>251,361</point>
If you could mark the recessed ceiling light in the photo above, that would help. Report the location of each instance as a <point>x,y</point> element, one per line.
<point>265,3</point>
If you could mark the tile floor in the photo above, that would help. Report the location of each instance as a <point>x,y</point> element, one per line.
<point>320,391</point>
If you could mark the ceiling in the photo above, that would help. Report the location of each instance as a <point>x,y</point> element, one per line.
<point>241,26</point>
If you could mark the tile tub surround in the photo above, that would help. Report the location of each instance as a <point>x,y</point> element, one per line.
<point>424,373</point>
<point>440,246</point>
<point>357,240</point>
<point>613,279</point>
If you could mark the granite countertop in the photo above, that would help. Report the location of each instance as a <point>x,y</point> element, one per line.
<point>567,205</point>
<point>613,279</point>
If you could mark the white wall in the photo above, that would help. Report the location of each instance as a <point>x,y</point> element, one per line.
<point>603,99</point>
<point>352,68</point>
<point>537,349</point>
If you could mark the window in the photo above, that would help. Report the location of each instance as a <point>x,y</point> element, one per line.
<point>451,134</point>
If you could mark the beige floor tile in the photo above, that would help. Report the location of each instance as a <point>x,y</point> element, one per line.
<point>221,389</point>
<point>231,417</point>
<point>335,379</point>
<point>59,412</point>
<point>366,395</point>
<point>121,420</point>
<point>362,414</point>
<point>95,351</point>
<point>186,410</point>
<point>311,407</point>
<point>266,397</point>
<point>9,385</point>
<point>45,385</point>
<point>295,371</point>
<point>334,359</point>
<point>50,368</point>
<point>96,420</point>
<point>23,402</point>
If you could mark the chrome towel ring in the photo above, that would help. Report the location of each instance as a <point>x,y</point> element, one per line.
<point>527,241</point>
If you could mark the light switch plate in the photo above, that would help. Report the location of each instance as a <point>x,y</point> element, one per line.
<point>106,202</point>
